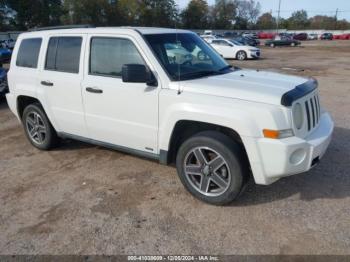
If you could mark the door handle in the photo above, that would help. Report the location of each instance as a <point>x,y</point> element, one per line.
<point>94,90</point>
<point>46,83</point>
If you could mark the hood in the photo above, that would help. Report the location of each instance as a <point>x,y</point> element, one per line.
<point>248,47</point>
<point>257,86</point>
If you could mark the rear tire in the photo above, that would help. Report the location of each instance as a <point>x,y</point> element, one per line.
<point>212,167</point>
<point>272,45</point>
<point>292,44</point>
<point>38,128</point>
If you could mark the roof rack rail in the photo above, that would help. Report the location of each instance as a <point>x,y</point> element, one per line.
<point>60,27</point>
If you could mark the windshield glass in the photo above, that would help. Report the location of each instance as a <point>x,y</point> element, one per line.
<point>236,42</point>
<point>185,56</point>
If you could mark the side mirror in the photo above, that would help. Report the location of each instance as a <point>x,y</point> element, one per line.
<point>137,73</point>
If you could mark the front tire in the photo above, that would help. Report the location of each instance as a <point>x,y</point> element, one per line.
<point>38,128</point>
<point>212,167</point>
<point>241,55</point>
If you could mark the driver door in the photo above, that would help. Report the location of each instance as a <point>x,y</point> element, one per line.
<point>118,113</point>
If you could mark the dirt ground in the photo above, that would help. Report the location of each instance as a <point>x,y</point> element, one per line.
<point>82,199</point>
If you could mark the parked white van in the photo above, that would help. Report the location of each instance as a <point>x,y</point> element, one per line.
<point>117,87</point>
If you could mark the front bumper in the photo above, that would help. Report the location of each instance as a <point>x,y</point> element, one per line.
<point>274,159</point>
<point>254,54</point>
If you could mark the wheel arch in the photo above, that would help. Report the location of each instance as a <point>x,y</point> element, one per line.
<point>23,101</point>
<point>184,129</point>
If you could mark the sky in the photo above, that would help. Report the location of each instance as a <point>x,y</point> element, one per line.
<point>314,7</point>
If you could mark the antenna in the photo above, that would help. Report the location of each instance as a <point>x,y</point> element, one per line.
<point>278,16</point>
<point>178,66</point>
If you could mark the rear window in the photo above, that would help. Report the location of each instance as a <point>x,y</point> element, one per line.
<point>63,54</point>
<point>28,53</point>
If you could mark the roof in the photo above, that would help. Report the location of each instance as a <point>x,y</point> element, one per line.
<point>86,30</point>
<point>158,30</point>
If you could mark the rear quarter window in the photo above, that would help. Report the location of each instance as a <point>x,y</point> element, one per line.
<point>28,53</point>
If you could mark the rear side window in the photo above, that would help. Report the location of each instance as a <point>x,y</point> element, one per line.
<point>108,55</point>
<point>63,54</point>
<point>28,53</point>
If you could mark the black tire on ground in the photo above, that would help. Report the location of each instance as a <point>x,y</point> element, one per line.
<point>229,150</point>
<point>50,139</point>
<point>272,45</point>
<point>293,44</point>
<point>241,55</point>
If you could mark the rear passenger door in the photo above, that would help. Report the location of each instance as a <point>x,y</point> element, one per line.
<point>60,82</point>
<point>118,113</point>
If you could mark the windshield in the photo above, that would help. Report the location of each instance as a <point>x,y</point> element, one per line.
<point>186,56</point>
<point>236,42</point>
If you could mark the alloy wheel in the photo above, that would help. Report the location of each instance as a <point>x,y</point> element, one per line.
<point>36,128</point>
<point>241,55</point>
<point>207,171</point>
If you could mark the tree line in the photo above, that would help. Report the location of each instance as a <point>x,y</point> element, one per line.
<point>224,14</point>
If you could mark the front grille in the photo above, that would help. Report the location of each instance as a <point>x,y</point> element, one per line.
<point>313,111</point>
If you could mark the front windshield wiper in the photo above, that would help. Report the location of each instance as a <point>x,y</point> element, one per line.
<point>204,73</point>
<point>225,68</point>
<point>198,74</point>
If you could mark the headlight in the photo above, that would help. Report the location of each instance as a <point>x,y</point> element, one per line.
<point>298,116</point>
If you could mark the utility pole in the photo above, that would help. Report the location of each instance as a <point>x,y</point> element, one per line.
<point>336,19</point>
<point>278,15</point>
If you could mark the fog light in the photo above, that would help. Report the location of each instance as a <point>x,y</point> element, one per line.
<point>298,156</point>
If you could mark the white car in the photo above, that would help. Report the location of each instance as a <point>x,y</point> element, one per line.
<point>117,87</point>
<point>313,36</point>
<point>247,34</point>
<point>231,49</point>
<point>208,32</point>
<point>208,38</point>
<point>178,54</point>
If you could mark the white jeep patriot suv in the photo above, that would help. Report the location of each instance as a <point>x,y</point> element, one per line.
<point>122,88</point>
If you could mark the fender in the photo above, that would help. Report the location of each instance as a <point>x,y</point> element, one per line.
<point>244,117</point>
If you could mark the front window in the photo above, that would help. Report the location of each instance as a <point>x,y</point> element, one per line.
<point>108,55</point>
<point>185,56</point>
<point>236,43</point>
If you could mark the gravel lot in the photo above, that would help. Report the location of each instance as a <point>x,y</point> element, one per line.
<point>82,199</point>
